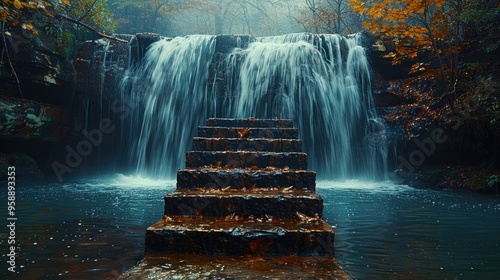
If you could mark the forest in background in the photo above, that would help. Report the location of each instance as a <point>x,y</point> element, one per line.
<point>448,48</point>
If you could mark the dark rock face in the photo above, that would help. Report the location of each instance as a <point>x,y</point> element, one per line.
<point>44,74</point>
<point>381,64</point>
<point>34,109</point>
<point>25,166</point>
<point>23,120</point>
<point>226,43</point>
<point>387,99</point>
<point>27,130</point>
<point>56,81</point>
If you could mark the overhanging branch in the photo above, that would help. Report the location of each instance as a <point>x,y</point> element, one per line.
<point>72,20</point>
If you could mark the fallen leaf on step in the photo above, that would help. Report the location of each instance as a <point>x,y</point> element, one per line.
<point>271,168</point>
<point>243,133</point>
<point>167,219</point>
<point>306,218</point>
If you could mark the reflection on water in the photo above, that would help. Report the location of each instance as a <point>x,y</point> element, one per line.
<point>386,231</point>
<point>94,228</point>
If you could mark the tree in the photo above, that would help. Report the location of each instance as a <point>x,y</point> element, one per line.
<point>135,16</point>
<point>94,13</point>
<point>50,23</point>
<point>232,16</point>
<point>419,28</point>
<point>329,16</point>
<point>436,35</point>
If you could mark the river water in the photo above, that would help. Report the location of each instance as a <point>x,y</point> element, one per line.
<point>94,228</point>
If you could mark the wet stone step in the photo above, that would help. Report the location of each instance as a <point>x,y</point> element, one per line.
<point>253,144</point>
<point>244,133</point>
<point>198,266</point>
<point>246,159</point>
<point>246,204</point>
<point>240,238</point>
<point>250,122</point>
<point>213,178</point>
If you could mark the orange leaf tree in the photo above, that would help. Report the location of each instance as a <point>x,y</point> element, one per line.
<point>453,43</point>
<point>417,28</point>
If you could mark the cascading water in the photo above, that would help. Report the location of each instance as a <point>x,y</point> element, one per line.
<point>173,81</point>
<point>322,82</point>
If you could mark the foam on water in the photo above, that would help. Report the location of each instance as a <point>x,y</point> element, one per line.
<point>120,182</point>
<point>365,186</point>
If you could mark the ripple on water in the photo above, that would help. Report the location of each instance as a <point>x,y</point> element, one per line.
<point>94,228</point>
<point>397,232</point>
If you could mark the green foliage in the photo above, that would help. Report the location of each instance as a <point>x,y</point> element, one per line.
<point>95,13</point>
<point>135,16</point>
<point>493,180</point>
<point>484,180</point>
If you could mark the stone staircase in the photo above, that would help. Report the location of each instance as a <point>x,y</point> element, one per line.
<point>246,195</point>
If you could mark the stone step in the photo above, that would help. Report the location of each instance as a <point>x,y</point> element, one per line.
<point>257,204</point>
<point>215,178</point>
<point>254,144</point>
<point>197,266</point>
<point>240,237</point>
<point>244,132</point>
<point>250,122</point>
<point>244,159</point>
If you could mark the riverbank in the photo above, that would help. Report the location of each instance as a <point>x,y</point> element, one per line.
<point>459,177</point>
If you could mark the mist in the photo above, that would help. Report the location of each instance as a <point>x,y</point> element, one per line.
<point>176,17</point>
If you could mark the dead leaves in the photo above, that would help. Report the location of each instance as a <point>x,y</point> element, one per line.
<point>244,133</point>
<point>234,217</point>
<point>306,218</point>
<point>167,219</point>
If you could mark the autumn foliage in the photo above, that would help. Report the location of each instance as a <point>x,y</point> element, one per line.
<point>417,28</point>
<point>453,46</point>
<point>92,12</point>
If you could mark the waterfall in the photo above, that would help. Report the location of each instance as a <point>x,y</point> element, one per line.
<point>322,82</point>
<point>173,82</point>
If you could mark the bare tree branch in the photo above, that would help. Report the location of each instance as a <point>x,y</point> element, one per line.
<point>14,73</point>
<point>89,28</point>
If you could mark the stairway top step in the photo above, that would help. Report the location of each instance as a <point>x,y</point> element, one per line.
<point>195,266</point>
<point>266,171</point>
<point>245,133</point>
<point>250,122</point>
<point>247,194</point>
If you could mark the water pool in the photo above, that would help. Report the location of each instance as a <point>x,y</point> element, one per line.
<point>94,228</point>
